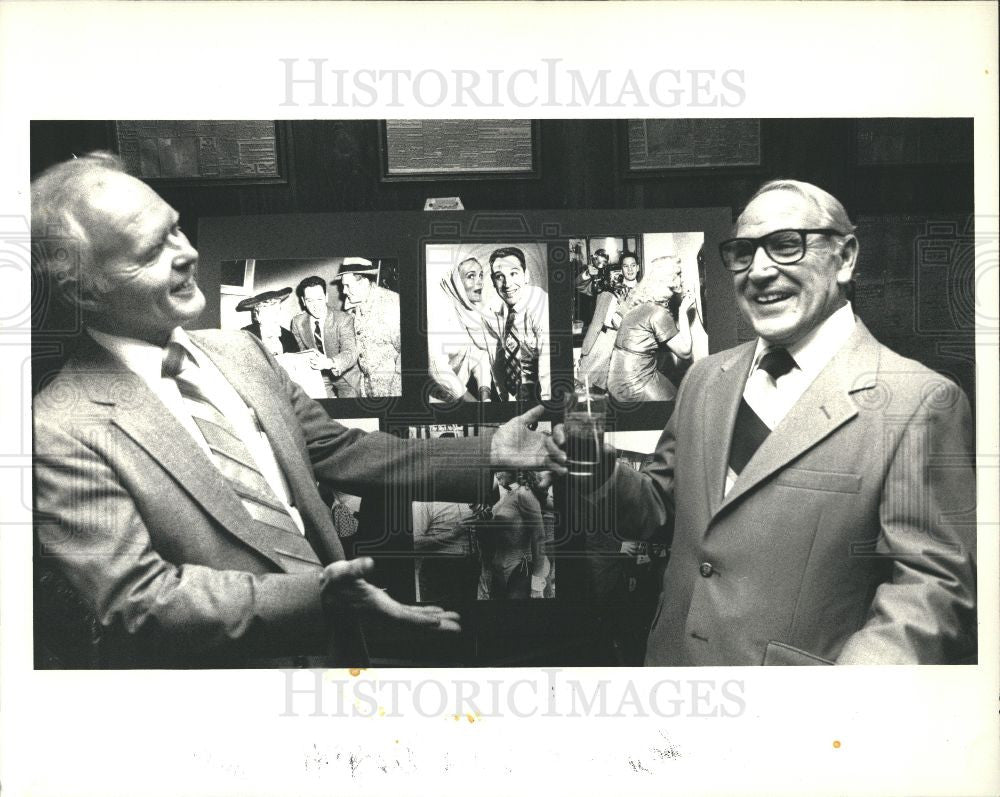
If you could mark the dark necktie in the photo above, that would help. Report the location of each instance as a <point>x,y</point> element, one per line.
<point>512,356</point>
<point>229,452</point>
<point>750,431</point>
<point>318,337</point>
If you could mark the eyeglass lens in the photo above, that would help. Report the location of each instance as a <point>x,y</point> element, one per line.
<point>782,246</point>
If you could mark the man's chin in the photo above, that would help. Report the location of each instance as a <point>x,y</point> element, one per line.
<point>191,308</point>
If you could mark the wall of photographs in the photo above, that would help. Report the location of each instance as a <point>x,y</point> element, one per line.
<point>522,563</point>
<point>259,241</point>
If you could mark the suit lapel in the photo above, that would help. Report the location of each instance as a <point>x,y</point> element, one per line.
<point>824,407</point>
<point>331,332</point>
<point>137,411</point>
<point>721,402</point>
<point>256,395</point>
<point>287,451</point>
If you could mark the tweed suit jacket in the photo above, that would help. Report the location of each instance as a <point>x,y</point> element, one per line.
<point>848,538</point>
<point>340,346</point>
<point>148,532</point>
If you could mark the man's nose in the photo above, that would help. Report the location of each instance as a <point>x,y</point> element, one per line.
<point>186,255</point>
<point>761,267</point>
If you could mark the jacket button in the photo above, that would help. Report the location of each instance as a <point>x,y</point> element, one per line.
<point>706,569</point>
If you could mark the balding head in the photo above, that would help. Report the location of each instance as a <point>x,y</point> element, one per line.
<point>111,246</point>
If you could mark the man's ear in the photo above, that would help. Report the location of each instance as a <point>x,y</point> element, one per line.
<point>80,292</point>
<point>848,260</point>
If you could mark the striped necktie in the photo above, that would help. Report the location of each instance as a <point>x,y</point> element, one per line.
<point>318,337</point>
<point>750,431</point>
<point>229,452</point>
<point>512,356</point>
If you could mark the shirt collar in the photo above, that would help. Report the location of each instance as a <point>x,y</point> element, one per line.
<point>816,349</point>
<point>139,356</point>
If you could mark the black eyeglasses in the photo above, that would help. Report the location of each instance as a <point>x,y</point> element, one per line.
<point>784,247</point>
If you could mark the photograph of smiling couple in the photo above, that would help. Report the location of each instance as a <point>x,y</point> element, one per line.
<point>488,321</point>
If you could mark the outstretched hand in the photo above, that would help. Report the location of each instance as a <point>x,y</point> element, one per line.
<point>343,584</point>
<point>516,447</point>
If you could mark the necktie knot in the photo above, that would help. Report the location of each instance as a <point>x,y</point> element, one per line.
<point>776,363</point>
<point>173,359</point>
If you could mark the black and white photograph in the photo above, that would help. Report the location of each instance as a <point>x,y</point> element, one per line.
<point>624,575</point>
<point>377,460</point>
<point>636,345</point>
<point>495,550</point>
<point>488,321</point>
<point>332,323</point>
<point>781,412</point>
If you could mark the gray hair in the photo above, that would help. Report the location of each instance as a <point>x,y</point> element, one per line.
<point>58,195</point>
<point>827,204</point>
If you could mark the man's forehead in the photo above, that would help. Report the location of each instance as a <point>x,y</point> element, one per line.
<point>779,209</point>
<point>119,211</point>
<point>507,261</point>
<point>118,195</point>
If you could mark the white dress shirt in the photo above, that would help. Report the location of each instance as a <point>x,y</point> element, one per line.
<point>146,360</point>
<point>771,399</point>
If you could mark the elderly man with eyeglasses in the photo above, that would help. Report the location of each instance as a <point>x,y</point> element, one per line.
<point>817,488</point>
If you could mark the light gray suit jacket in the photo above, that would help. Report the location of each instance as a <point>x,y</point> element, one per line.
<point>848,538</point>
<point>158,545</point>
<point>340,346</point>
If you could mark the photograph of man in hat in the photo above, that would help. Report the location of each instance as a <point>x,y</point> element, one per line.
<point>265,310</point>
<point>376,327</point>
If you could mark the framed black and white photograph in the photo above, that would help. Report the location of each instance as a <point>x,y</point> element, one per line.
<point>333,323</point>
<point>349,572</point>
<point>638,312</point>
<point>499,549</point>
<point>488,321</point>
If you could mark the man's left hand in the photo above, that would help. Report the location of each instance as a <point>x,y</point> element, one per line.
<point>517,447</point>
<point>343,584</point>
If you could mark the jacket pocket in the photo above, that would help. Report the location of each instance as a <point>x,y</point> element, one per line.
<point>826,481</point>
<point>780,654</point>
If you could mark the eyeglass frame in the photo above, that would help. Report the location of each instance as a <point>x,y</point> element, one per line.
<point>759,242</point>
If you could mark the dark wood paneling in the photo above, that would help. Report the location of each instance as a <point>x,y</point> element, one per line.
<point>334,167</point>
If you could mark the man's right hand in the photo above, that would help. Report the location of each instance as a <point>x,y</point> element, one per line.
<point>319,362</point>
<point>609,453</point>
<point>344,584</point>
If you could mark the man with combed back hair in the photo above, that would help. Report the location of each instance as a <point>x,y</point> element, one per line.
<point>817,489</point>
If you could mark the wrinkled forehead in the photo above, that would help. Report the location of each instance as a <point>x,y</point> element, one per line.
<point>779,209</point>
<point>119,213</point>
